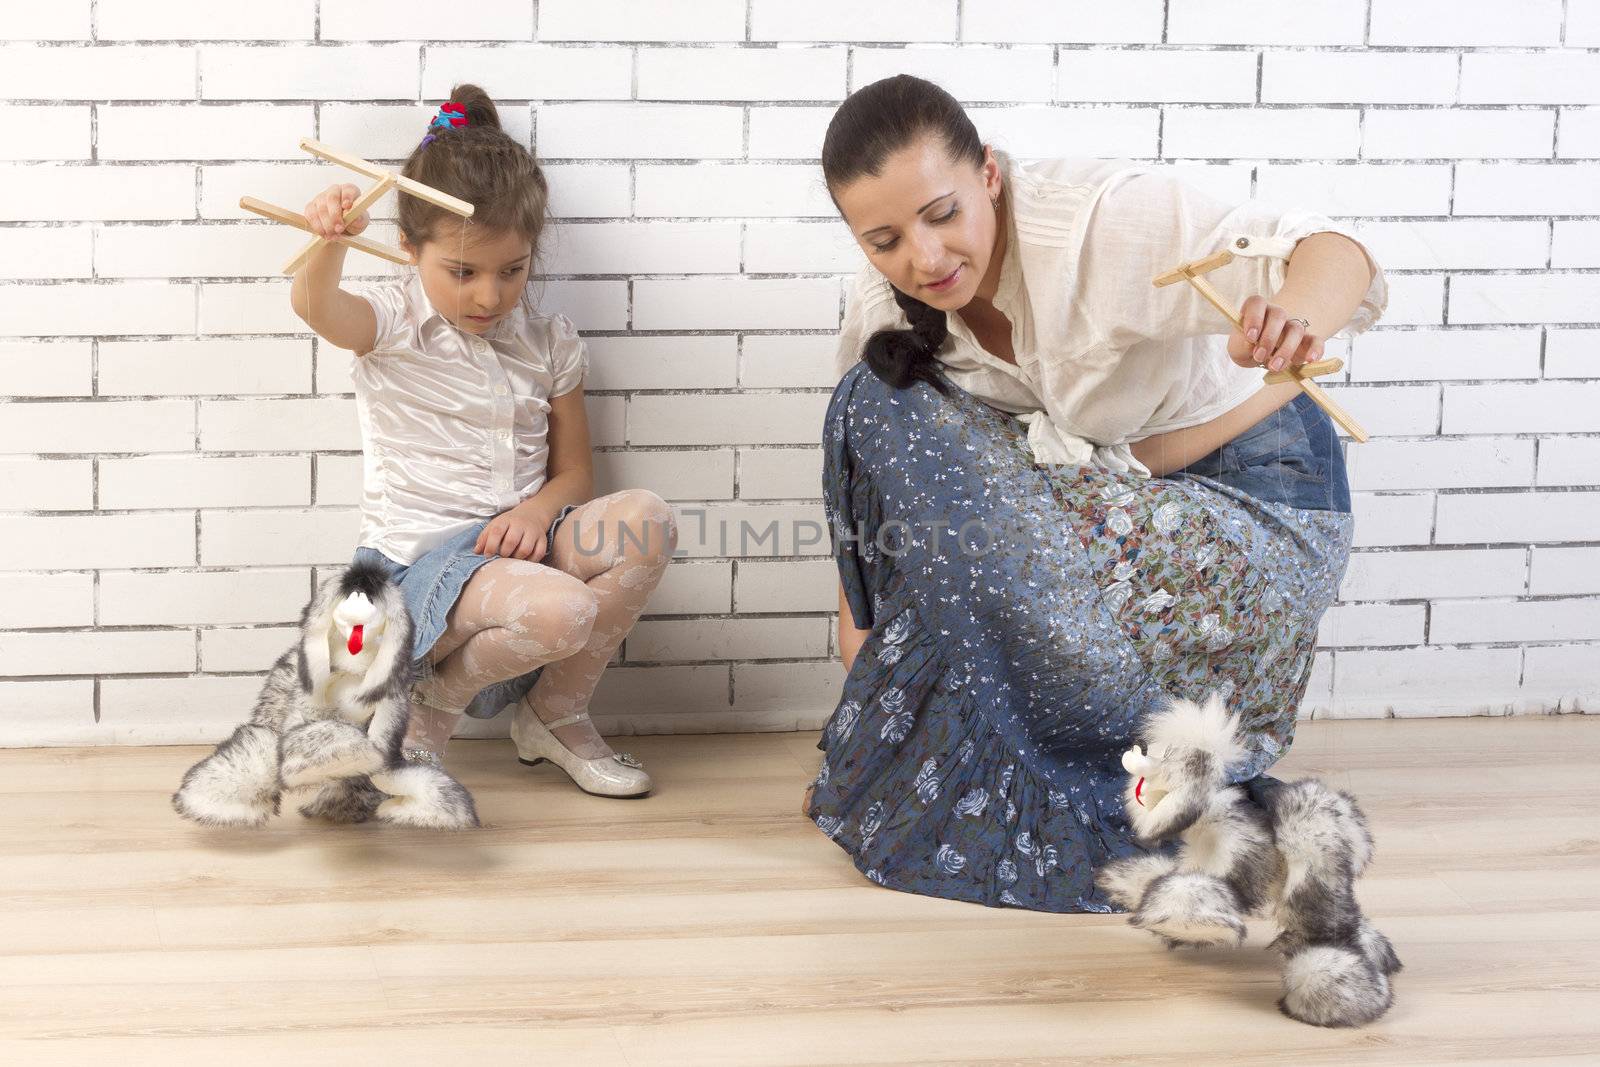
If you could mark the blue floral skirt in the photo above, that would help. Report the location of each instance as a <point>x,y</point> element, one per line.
<point>432,584</point>
<point>1025,619</point>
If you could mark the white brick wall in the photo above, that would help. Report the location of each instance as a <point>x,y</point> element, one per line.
<point>179,461</point>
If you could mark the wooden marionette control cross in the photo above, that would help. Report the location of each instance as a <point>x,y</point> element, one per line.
<point>385,180</point>
<point>1193,274</point>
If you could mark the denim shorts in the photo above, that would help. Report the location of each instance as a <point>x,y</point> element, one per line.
<point>431,586</point>
<point>1292,456</point>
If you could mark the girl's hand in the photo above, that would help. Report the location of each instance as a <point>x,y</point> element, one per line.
<point>518,533</point>
<point>326,211</point>
<point>1270,340</point>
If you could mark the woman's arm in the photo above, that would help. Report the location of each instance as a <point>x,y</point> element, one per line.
<point>850,638</point>
<point>1327,276</point>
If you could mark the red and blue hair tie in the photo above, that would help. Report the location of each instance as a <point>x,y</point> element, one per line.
<point>452,114</point>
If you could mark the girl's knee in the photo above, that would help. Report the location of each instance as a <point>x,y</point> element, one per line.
<point>649,524</point>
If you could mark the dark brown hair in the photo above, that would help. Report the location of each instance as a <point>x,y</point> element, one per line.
<point>875,122</point>
<point>481,164</point>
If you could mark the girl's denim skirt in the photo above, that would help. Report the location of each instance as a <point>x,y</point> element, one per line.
<point>430,587</point>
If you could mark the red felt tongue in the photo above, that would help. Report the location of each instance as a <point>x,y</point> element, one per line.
<point>355,641</point>
<point>1137,789</point>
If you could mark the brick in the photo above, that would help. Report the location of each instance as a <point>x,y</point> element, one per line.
<point>800,248</point>
<point>1559,571</point>
<point>1575,243</point>
<point>107,652</point>
<point>266,537</point>
<point>254,648</point>
<point>1415,300</point>
<point>1489,621</point>
<point>119,308</point>
<point>179,598</point>
<point>248,307</point>
<point>1310,133</point>
<point>588,190</point>
<point>1436,23</point>
<point>1562,677</point>
<point>1569,461</point>
<point>197,20</point>
<point>1497,518</point>
<point>47,252</point>
<point>692,589</point>
<point>1391,410</point>
<point>1527,189</point>
<point>1461,244</point>
<point>1304,77</point>
<point>732,73</point>
<point>1572,353</point>
<point>204,481</point>
<point>530,71</point>
<point>1539,407</point>
<point>1524,298</point>
<point>310,72</point>
<point>1450,354</point>
<point>746,530</point>
<point>699,474</point>
<point>46,368</point>
<point>641,20</point>
<point>1359,625</point>
<point>173,711</point>
<point>379,20</point>
<point>591,305</point>
<point>736,303</point>
<point>1530,78</point>
<point>278,425</point>
<point>786,586</point>
<point>1051,131</point>
<point>1264,22</point>
<point>970,73</point>
<point>98,426</point>
<point>105,72</point>
<point>95,193</point>
<point>1392,518</point>
<point>28,484</point>
<point>1578,133</point>
<point>1442,133</point>
<point>807,692</point>
<point>1358,188</point>
<point>1168,75</point>
<point>662,363</point>
<point>389,132</point>
<point>79,541</point>
<point>780,473</point>
<point>1051,21</point>
<point>217,251</point>
<point>1452,464</point>
<point>701,640</point>
<point>636,248</point>
<point>37,600</point>
<point>845,20</point>
<point>67,20</point>
<point>640,131</point>
<point>788,132</point>
<point>1583,24</point>
<point>1435,573</point>
<point>713,190</point>
<point>1415,682</point>
<point>193,131</point>
<point>209,367</point>
<point>760,418</point>
<point>788,361</point>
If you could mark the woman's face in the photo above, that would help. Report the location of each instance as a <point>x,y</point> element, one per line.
<point>927,222</point>
<point>477,283</point>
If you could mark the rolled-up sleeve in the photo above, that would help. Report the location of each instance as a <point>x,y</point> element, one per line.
<point>1146,223</point>
<point>569,356</point>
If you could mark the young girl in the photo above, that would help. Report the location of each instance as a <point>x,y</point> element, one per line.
<point>476,450</point>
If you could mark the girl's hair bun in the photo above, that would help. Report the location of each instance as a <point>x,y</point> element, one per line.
<point>479,104</point>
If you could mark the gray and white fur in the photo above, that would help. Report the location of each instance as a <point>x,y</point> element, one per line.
<point>330,721</point>
<point>1291,849</point>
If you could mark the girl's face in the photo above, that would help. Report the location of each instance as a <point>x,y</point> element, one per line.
<point>476,285</point>
<point>927,222</point>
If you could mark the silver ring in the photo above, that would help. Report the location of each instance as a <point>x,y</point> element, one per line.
<point>1304,325</point>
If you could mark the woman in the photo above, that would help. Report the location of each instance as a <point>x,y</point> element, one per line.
<point>1059,498</point>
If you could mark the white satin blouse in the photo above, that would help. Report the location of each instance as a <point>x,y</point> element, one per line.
<point>453,426</point>
<point>1104,358</point>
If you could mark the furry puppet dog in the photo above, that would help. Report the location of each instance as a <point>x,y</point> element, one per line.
<point>1294,848</point>
<point>330,718</point>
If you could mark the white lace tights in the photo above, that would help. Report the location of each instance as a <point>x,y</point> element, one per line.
<point>571,610</point>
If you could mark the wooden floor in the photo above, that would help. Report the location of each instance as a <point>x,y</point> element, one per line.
<point>712,924</point>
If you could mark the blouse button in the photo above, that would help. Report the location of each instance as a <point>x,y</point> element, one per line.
<point>500,390</point>
<point>1243,242</point>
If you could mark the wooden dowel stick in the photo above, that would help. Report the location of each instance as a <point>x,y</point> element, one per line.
<point>1216,299</point>
<point>1335,412</point>
<point>373,170</point>
<point>298,221</point>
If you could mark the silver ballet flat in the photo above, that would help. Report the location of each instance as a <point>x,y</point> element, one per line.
<point>616,775</point>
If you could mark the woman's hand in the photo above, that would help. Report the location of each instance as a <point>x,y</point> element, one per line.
<point>1270,339</point>
<point>326,212</point>
<point>518,533</point>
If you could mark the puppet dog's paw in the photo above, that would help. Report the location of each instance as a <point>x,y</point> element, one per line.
<point>1190,908</point>
<point>237,785</point>
<point>425,797</point>
<point>1331,985</point>
<point>324,750</point>
<point>344,800</point>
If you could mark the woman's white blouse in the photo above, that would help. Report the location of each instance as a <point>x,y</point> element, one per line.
<point>1104,358</point>
<point>453,425</point>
